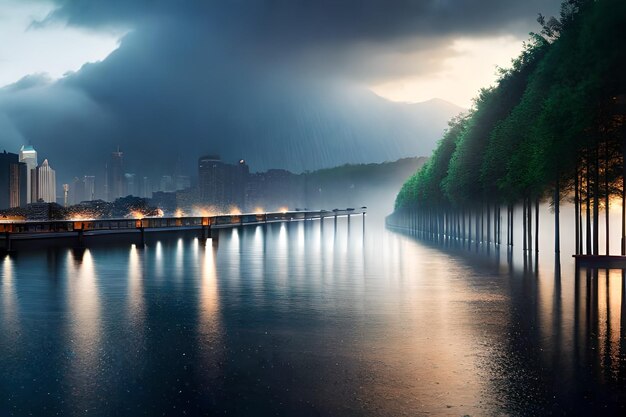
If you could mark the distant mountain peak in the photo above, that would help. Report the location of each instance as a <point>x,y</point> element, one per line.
<point>440,103</point>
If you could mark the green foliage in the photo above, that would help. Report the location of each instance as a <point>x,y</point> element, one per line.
<point>555,104</point>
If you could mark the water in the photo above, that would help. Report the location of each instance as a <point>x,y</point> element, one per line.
<point>295,320</point>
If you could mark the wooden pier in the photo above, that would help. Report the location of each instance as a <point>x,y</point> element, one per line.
<point>600,261</point>
<point>19,232</point>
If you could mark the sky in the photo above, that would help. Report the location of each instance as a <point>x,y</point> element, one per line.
<point>299,84</point>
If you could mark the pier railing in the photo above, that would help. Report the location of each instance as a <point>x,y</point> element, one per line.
<point>207,225</point>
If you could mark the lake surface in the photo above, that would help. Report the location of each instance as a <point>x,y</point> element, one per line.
<point>306,321</point>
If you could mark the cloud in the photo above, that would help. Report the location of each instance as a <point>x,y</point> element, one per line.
<point>280,83</point>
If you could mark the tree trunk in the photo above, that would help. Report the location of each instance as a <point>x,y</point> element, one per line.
<point>530,227</point>
<point>606,195</point>
<point>576,204</point>
<point>524,218</point>
<point>588,204</point>
<point>596,201</point>
<point>537,225</point>
<point>512,222</point>
<point>557,231</point>
<point>488,223</point>
<point>623,241</point>
<point>469,228</point>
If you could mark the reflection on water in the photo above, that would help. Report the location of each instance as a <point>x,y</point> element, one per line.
<point>9,319</point>
<point>308,319</point>
<point>85,327</point>
<point>135,287</point>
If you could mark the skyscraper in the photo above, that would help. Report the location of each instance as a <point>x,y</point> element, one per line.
<point>66,192</point>
<point>115,176</point>
<point>130,184</point>
<point>90,187</point>
<point>77,191</point>
<point>220,184</point>
<point>44,183</point>
<point>28,155</point>
<point>13,181</point>
<point>211,178</point>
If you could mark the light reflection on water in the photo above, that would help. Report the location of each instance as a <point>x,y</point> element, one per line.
<point>9,319</point>
<point>307,319</point>
<point>85,327</point>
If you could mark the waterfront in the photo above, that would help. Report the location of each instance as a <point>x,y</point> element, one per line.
<point>292,319</point>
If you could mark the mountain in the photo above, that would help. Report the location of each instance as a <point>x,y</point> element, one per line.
<point>77,123</point>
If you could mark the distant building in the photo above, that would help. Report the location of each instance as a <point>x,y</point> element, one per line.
<point>89,182</point>
<point>28,155</point>
<point>211,178</point>
<point>186,199</point>
<point>130,184</point>
<point>274,189</point>
<point>145,189</point>
<point>66,192</point>
<point>182,182</point>
<point>43,181</point>
<point>115,176</point>
<point>167,184</point>
<point>222,185</point>
<point>77,191</point>
<point>13,181</point>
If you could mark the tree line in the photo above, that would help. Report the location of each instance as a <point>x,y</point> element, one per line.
<point>551,128</point>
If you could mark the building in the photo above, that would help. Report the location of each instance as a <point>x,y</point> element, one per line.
<point>115,184</point>
<point>90,188</point>
<point>182,182</point>
<point>28,155</point>
<point>66,194</point>
<point>77,191</point>
<point>13,181</point>
<point>145,188</point>
<point>211,178</point>
<point>274,189</point>
<point>222,185</point>
<point>167,184</point>
<point>43,181</point>
<point>130,184</point>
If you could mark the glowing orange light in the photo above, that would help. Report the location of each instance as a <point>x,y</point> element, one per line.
<point>283,209</point>
<point>203,211</point>
<point>81,216</point>
<point>135,214</point>
<point>179,213</point>
<point>258,210</point>
<point>234,210</point>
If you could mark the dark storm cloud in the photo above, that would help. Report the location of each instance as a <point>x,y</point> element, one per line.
<point>333,35</point>
<point>276,82</point>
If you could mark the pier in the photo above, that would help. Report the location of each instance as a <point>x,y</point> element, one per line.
<point>600,261</point>
<point>18,233</point>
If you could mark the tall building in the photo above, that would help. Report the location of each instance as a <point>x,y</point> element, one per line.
<point>77,191</point>
<point>44,183</point>
<point>90,187</point>
<point>28,155</point>
<point>115,176</point>
<point>211,178</point>
<point>167,184</point>
<point>220,184</point>
<point>130,184</point>
<point>211,173</point>
<point>13,181</point>
<point>145,190</point>
<point>182,182</point>
<point>66,193</point>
